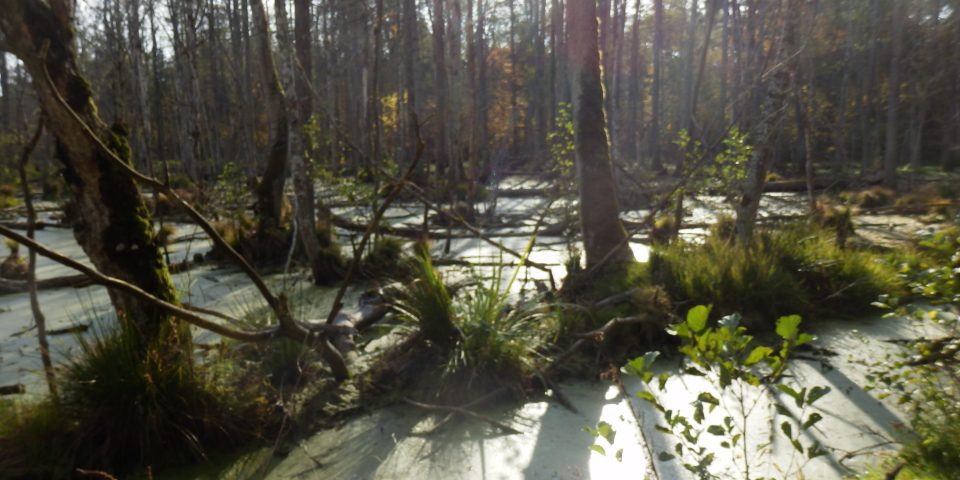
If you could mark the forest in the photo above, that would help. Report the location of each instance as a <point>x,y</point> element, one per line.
<point>664,239</point>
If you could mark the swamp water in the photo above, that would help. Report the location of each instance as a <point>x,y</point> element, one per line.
<point>391,442</point>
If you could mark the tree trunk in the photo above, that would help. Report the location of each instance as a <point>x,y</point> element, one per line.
<point>603,233</point>
<point>411,40</point>
<point>893,100</point>
<point>657,161</point>
<point>112,224</point>
<point>270,189</point>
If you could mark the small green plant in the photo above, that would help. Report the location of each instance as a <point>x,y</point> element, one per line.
<point>925,376</point>
<point>732,363</point>
<point>563,149</point>
<point>231,191</point>
<point>727,168</point>
<point>428,303</point>
<point>499,341</point>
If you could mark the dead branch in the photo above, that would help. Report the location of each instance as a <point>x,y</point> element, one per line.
<point>375,222</point>
<point>95,474</point>
<point>21,286</point>
<point>417,192</point>
<point>38,317</point>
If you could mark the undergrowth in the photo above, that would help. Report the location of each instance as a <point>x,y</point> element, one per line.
<point>793,270</point>
<point>121,410</point>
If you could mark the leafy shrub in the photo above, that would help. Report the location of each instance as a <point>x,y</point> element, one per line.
<point>734,364</point>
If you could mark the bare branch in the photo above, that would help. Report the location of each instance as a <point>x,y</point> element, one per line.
<point>140,294</point>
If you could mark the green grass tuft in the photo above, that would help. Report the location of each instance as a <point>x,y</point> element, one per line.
<point>795,270</point>
<point>121,409</point>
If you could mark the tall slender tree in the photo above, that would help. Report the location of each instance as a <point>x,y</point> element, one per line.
<point>603,234</point>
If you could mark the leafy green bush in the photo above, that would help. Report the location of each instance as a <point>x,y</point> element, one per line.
<point>734,364</point>
<point>786,271</point>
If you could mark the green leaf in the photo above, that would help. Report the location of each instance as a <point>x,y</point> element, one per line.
<point>662,429</point>
<point>787,429</point>
<point>787,327</point>
<point>645,395</point>
<point>707,397</point>
<point>634,367</point>
<point>757,355</point>
<point>665,457</point>
<point>598,449</point>
<point>619,455</point>
<point>797,446</point>
<point>716,430</point>
<point>697,318</point>
<point>816,393</point>
<point>783,410</point>
<point>797,396</point>
<point>805,338</point>
<point>607,432</point>
<point>811,420</point>
<point>663,380</point>
<point>815,450</point>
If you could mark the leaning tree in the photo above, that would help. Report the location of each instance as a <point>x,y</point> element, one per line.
<point>110,220</point>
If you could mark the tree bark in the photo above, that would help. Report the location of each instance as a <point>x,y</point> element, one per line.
<point>269,191</point>
<point>657,161</point>
<point>893,100</point>
<point>599,211</point>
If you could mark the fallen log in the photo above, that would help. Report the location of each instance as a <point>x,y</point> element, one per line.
<point>36,226</point>
<point>69,281</point>
<point>79,328</point>
<point>15,389</point>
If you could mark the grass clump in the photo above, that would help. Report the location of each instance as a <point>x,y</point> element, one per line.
<point>386,260</point>
<point>471,342</point>
<point>122,409</point>
<point>794,270</point>
<point>873,197</point>
<point>428,303</point>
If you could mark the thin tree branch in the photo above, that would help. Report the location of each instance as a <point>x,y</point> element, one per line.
<point>38,317</point>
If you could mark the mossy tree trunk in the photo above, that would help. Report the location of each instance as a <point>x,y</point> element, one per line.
<point>110,221</point>
<point>603,234</point>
